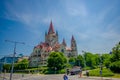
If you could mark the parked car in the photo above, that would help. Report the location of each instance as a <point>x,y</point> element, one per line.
<point>75,70</point>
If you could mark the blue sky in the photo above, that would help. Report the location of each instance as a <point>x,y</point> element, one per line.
<point>95,24</point>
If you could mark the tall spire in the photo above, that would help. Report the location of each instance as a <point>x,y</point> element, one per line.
<point>73,41</point>
<point>72,38</point>
<point>64,43</point>
<point>51,28</point>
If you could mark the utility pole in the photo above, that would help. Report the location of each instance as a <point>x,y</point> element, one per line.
<point>15,43</point>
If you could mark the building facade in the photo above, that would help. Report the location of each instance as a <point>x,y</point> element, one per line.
<point>41,51</point>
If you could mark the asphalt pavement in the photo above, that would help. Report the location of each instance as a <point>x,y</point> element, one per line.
<point>50,77</point>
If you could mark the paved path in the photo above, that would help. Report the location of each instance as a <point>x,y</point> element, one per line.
<point>50,77</point>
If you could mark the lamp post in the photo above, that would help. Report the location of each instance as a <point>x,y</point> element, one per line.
<point>15,43</point>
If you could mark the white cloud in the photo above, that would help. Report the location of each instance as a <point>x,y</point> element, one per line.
<point>76,8</point>
<point>111,34</point>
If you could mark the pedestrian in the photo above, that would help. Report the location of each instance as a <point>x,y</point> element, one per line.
<point>87,73</point>
<point>80,72</point>
<point>22,75</point>
<point>68,71</point>
<point>65,77</point>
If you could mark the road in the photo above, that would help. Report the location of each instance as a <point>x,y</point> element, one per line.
<point>49,77</point>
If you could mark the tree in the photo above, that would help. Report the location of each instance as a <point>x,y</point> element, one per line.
<point>115,59</point>
<point>22,64</point>
<point>88,58</point>
<point>80,61</point>
<point>95,60</point>
<point>7,67</point>
<point>106,59</point>
<point>116,53</point>
<point>91,60</point>
<point>56,60</point>
<point>72,61</point>
<point>115,66</point>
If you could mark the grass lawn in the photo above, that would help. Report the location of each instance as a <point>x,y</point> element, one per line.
<point>105,73</point>
<point>116,76</point>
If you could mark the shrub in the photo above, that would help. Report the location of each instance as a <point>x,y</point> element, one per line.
<point>62,71</point>
<point>105,72</point>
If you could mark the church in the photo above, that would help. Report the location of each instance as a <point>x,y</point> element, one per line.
<point>41,51</point>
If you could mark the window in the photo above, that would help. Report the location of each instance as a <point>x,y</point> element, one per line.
<point>62,50</point>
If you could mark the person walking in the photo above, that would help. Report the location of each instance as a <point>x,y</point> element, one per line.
<point>80,72</point>
<point>87,73</point>
<point>65,77</point>
<point>68,71</point>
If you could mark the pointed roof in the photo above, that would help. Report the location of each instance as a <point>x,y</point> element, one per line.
<point>72,38</point>
<point>64,43</point>
<point>51,28</point>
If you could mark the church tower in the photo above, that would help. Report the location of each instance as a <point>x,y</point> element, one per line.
<point>64,43</point>
<point>51,37</point>
<point>42,50</point>
<point>73,47</point>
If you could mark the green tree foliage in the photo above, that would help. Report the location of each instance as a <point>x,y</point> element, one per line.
<point>56,60</point>
<point>7,67</point>
<point>91,59</point>
<point>17,66</point>
<point>106,60</point>
<point>96,59</point>
<point>115,59</point>
<point>116,53</point>
<point>80,61</point>
<point>72,61</point>
<point>21,65</point>
<point>115,66</point>
<point>88,58</point>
